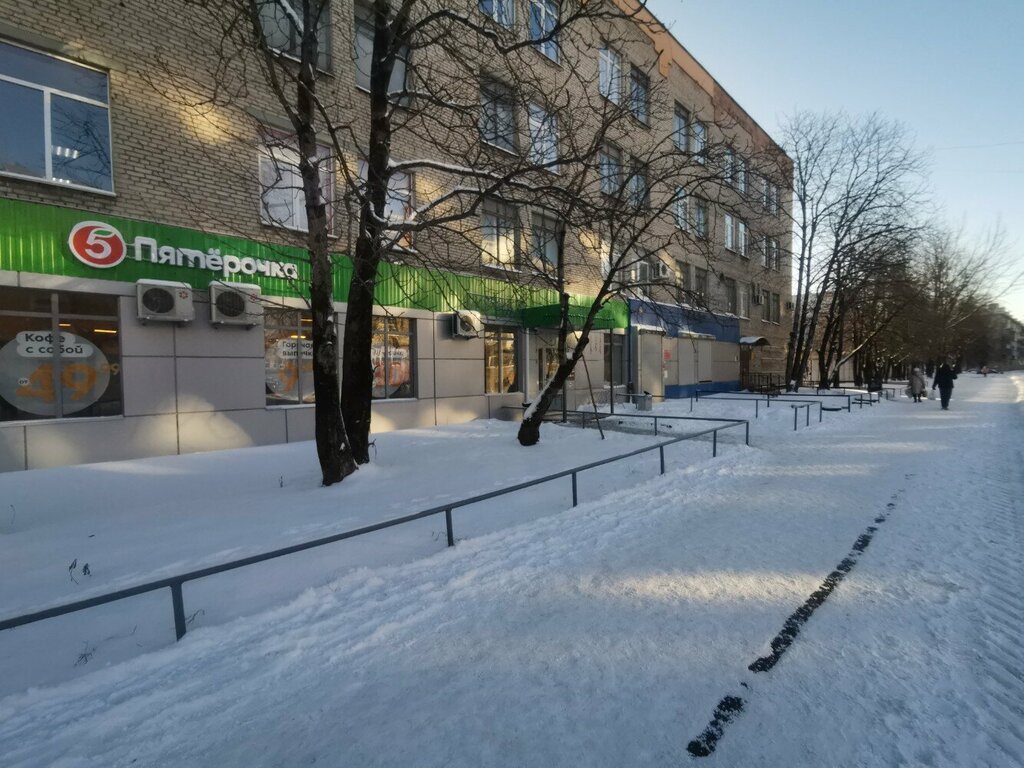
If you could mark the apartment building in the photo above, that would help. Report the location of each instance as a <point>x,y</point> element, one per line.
<point>153,277</point>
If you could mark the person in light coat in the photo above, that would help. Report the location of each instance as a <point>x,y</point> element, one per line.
<point>918,386</point>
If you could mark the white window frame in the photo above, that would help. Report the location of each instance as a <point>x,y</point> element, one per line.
<point>503,12</point>
<point>496,96</point>
<point>681,128</point>
<point>278,156</point>
<point>742,235</point>
<point>500,217</point>
<point>611,184</point>
<point>730,235</point>
<point>682,210</point>
<point>700,141</point>
<point>639,94</point>
<point>744,174</point>
<point>543,130</point>
<point>546,12</point>
<point>742,299</point>
<point>47,137</point>
<point>609,81</point>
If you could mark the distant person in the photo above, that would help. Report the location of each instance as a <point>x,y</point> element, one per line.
<point>944,381</point>
<point>984,371</point>
<point>918,385</point>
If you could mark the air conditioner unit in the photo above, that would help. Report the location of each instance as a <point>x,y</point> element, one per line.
<point>663,269</point>
<point>467,324</point>
<point>165,301</point>
<point>235,304</point>
<point>756,294</point>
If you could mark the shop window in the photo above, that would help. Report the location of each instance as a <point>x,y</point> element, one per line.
<point>393,359</point>
<point>500,356</point>
<point>547,366</point>
<point>60,355</point>
<point>55,120</point>
<point>288,356</point>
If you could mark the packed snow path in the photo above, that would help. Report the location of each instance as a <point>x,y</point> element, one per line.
<point>609,634</point>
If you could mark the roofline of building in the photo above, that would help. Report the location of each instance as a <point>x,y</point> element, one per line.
<point>677,53</point>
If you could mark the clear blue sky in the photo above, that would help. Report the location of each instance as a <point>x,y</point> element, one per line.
<point>951,71</point>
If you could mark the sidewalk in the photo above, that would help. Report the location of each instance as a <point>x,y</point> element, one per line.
<point>605,636</point>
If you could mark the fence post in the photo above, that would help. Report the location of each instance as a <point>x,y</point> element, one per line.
<point>819,411</point>
<point>807,421</point>
<point>655,425</point>
<point>746,440</point>
<point>795,409</point>
<point>757,406</point>
<point>448,525</point>
<point>179,610</point>
<point>661,452</point>
<point>714,444</point>
<point>575,496</point>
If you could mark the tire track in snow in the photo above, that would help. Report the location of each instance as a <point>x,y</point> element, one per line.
<point>730,706</point>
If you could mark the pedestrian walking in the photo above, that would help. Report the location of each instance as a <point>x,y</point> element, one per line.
<point>917,385</point>
<point>944,381</point>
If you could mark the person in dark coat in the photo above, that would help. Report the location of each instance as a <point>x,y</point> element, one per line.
<point>944,381</point>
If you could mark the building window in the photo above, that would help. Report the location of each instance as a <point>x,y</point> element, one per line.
<point>282,200</point>
<point>543,23</point>
<point>773,254</point>
<point>60,355</point>
<point>743,180</point>
<point>497,116</point>
<point>682,210</point>
<point>363,55</point>
<point>502,11</point>
<point>700,283</point>
<point>700,142</point>
<point>730,233</point>
<point>55,120</point>
<point>544,232</point>
<point>729,166</point>
<point>610,162</point>
<point>392,357</point>
<point>500,356</point>
<point>700,218</point>
<point>639,94</point>
<point>681,129</point>
<point>741,238</point>
<point>683,275</point>
<point>398,205</point>
<point>543,138</point>
<point>636,184</point>
<point>499,224</point>
<point>773,204</point>
<point>765,194</point>
<point>729,294</point>
<point>282,34</point>
<point>609,74</point>
<point>288,356</point>
<point>766,302</point>
<point>743,300</point>
<point>776,313</point>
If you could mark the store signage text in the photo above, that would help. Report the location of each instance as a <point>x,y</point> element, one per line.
<point>101,246</point>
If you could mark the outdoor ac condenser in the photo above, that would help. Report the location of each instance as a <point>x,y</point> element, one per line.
<point>235,304</point>
<point>164,301</point>
<point>467,324</point>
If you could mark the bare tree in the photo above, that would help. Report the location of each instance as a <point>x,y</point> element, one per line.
<point>857,200</point>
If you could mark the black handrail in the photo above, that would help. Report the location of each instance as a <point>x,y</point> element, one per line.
<point>664,417</point>
<point>174,583</point>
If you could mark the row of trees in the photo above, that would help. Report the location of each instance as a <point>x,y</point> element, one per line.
<point>880,281</point>
<point>463,90</point>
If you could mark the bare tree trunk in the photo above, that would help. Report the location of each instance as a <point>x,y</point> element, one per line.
<point>332,446</point>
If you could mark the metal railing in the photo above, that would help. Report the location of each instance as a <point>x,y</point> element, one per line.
<point>175,583</point>
<point>603,415</point>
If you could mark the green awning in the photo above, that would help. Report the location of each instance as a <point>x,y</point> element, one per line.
<point>614,314</point>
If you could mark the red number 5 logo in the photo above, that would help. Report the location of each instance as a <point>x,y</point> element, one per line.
<point>97,244</point>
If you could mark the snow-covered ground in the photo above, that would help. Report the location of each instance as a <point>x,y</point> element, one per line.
<point>604,635</point>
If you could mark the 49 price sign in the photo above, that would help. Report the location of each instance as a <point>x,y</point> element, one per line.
<point>29,379</point>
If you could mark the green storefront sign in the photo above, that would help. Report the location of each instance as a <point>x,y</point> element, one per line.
<point>63,241</point>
